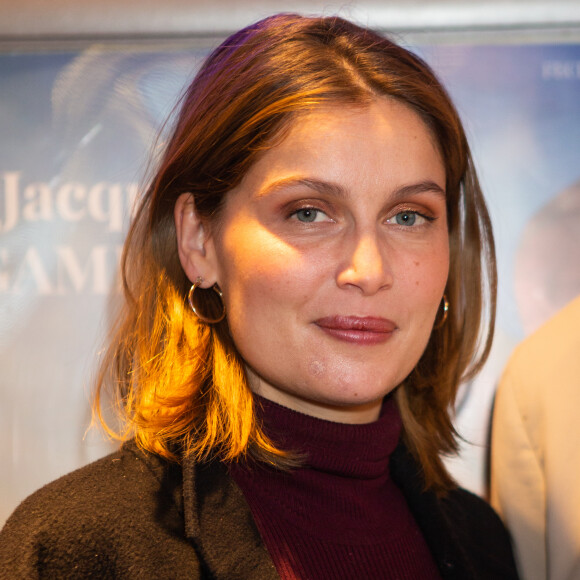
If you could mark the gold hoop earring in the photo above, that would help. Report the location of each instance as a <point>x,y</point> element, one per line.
<point>205,319</point>
<point>445,305</point>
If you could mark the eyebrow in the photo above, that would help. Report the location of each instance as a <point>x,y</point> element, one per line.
<point>421,187</point>
<point>335,190</point>
<point>324,187</point>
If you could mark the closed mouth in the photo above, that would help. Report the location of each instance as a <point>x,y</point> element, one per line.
<point>356,329</point>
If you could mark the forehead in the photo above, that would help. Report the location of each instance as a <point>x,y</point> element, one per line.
<point>385,139</point>
<point>389,110</point>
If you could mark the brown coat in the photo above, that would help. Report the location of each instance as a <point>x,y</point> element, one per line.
<point>133,515</point>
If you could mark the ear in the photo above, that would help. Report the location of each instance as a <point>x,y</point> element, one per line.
<point>194,243</point>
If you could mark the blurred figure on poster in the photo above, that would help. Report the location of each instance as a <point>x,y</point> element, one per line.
<point>308,278</point>
<point>535,476</point>
<point>547,271</point>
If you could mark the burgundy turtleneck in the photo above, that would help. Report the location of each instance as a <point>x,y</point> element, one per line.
<point>339,515</point>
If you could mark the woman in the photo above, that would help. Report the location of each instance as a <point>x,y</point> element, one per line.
<point>305,287</point>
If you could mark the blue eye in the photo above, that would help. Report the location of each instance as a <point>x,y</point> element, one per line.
<point>307,214</point>
<point>406,218</point>
<point>409,218</point>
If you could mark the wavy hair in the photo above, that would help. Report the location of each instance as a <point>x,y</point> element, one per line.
<point>179,384</point>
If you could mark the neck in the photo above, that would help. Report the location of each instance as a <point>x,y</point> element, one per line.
<point>354,414</point>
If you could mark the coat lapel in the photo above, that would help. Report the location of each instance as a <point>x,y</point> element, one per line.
<point>427,510</point>
<point>220,524</point>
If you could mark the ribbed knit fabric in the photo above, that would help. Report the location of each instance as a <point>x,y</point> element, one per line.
<point>339,515</point>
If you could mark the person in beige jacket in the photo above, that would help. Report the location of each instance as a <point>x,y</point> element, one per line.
<point>535,471</point>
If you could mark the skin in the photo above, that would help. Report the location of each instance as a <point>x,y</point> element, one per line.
<point>332,255</point>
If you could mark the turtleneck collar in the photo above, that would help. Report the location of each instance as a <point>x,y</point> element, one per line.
<point>350,450</point>
<point>344,476</point>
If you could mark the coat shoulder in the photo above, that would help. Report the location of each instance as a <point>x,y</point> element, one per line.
<point>104,490</point>
<point>465,535</point>
<point>481,532</point>
<point>110,516</point>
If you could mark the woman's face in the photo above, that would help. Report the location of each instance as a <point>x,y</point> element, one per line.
<point>333,255</point>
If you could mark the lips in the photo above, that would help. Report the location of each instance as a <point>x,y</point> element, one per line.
<point>355,329</point>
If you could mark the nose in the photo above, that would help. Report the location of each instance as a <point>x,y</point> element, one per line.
<point>367,267</point>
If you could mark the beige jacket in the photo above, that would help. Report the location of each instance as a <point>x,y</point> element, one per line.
<point>535,475</point>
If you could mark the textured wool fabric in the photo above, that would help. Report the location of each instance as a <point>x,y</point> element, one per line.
<point>132,515</point>
<point>340,515</point>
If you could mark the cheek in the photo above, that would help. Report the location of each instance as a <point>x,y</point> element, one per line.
<point>256,264</point>
<point>428,275</point>
<point>258,275</point>
<point>262,280</point>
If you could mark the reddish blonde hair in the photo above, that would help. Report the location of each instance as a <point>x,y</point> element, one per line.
<point>180,384</point>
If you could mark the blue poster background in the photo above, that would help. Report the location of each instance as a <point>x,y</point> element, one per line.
<point>77,130</point>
